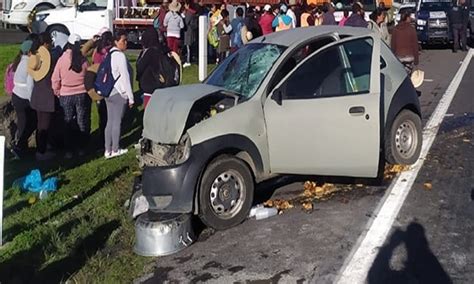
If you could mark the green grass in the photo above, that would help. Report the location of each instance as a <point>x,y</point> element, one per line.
<point>81,232</point>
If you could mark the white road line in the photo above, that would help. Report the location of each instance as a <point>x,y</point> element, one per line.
<point>360,260</point>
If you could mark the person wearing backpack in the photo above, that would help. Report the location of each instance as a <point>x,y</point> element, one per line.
<point>21,94</point>
<point>148,60</point>
<point>174,24</point>
<point>190,34</point>
<point>120,95</point>
<point>68,86</point>
<point>100,48</point>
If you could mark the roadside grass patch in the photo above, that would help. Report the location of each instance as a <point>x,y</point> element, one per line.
<point>81,232</point>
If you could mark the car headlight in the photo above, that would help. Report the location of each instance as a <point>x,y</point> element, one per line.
<point>19,6</point>
<point>421,22</point>
<point>41,17</point>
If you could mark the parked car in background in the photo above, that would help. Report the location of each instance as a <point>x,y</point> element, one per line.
<point>326,101</point>
<point>432,23</point>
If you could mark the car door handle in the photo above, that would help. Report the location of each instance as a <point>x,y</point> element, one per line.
<point>103,16</point>
<point>357,110</point>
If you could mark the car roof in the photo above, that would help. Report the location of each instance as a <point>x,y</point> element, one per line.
<point>408,5</point>
<point>296,36</point>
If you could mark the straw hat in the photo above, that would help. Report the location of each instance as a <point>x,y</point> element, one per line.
<point>175,6</point>
<point>417,78</point>
<point>39,64</point>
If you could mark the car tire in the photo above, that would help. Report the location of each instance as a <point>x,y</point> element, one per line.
<point>225,193</point>
<point>403,144</point>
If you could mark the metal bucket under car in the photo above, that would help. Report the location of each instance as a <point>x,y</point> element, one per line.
<point>159,234</point>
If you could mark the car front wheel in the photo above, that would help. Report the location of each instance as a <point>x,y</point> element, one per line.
<point>403,144</point>
<point>225,193</point>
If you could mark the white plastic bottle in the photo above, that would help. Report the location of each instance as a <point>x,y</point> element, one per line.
<point>263,213</point>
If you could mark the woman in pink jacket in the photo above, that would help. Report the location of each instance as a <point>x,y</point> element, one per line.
<point>68,85</point>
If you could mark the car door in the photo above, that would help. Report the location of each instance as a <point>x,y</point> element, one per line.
<point>91,16</point>
<point>324,117</point>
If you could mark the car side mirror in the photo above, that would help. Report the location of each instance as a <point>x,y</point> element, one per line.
<point>277,95</point>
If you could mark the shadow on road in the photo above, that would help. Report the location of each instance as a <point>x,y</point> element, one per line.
<point>421,265</point>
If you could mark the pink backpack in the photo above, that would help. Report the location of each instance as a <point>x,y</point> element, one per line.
<point>8,82</point>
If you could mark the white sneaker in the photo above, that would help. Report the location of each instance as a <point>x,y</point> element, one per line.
<point>187,64</point>
<point>117,153</point>
<point>107,154</point>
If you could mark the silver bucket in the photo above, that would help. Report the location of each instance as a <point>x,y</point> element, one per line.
<point>162,234</point>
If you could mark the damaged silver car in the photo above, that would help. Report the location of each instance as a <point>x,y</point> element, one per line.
<point>313,101</point>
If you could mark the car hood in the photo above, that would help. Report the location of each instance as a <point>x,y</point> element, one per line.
<point>167,112</point>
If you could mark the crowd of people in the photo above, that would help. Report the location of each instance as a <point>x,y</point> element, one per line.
<point>52,94</point>
<point>54,83</point>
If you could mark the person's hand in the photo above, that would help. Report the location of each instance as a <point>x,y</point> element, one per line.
<point>130,105</point>
<point>96,38</point>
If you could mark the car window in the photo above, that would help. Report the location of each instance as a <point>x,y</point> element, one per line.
<point>337,71</point>
<point>93,5</point>
<point>244,70</point>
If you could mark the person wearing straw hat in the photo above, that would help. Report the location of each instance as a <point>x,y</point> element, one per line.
<point>68,85</point>
<point>42,96</point>
<point>174,24</point>
<point>22,88</point>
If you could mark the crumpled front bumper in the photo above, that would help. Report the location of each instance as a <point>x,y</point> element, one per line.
<point>172,189</point>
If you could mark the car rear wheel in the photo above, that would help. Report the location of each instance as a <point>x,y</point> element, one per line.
<point>225,193</point>
<point>403,144</point>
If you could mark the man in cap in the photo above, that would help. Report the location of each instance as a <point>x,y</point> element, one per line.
<point>266,20</point>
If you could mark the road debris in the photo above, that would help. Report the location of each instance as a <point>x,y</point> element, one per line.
<point>392,170</point>
<point>427,186</point>
<point>279,204</point>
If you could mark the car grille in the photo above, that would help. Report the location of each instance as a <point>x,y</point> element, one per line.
<point>438,23</point>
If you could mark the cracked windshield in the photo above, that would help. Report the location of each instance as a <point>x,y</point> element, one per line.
<point>245,70</point>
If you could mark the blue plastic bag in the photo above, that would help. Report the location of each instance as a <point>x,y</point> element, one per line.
<point>34,182</point>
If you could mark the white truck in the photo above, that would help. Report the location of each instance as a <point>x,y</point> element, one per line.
<point>15,12</point>
<point>88,17</point>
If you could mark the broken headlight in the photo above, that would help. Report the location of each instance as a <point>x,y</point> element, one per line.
<point>161,155</point>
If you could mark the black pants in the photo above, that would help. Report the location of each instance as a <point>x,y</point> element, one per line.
<point>459,37</point>
<point>26,122</point>
<point>44,122</point>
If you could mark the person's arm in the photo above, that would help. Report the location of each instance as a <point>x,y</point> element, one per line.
<point>181,23</point>
<point>142,63</point>
<point>123,83</point>
<point>275,22</point>
<point>167,19</point>
<point>29,84</point>
<point>56,78</point>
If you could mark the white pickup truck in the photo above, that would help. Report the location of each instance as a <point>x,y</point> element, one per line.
<point>88,17</point>
<point>15,12</point>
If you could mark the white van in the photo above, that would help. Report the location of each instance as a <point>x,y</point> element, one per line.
<point>16,11</point>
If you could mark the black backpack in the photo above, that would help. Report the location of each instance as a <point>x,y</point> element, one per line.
<point>167,73</point>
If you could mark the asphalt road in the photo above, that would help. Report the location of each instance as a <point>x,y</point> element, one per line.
<point>301,247</point>
<point>11,36</point>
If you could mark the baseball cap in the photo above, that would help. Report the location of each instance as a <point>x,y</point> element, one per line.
<point>267,8</point>
<point>73,38</point>
<point>26,46</point>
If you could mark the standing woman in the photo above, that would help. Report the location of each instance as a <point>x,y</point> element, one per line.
<point>40,67</point>
<point>101,46</point>
<point>22,88</point>
<point>174,24</point>
<point>223,30</point>
<point>146,61</point>
<point>120,96</point>
<point>190,35</point>
<point>405,42</point>
<point>377,24</point>
<point>68,85</point>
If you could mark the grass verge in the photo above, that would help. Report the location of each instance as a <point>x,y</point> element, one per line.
<point>82,231</point>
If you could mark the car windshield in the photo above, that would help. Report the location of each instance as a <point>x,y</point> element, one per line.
<point>435,4</point>
<point>244,71</point>
<point>342,5</point>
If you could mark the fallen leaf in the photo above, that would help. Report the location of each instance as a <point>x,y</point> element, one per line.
<point>466,140</point>
<point>308,206</point>
<point>359,185</point>
<point>428,186</point>
<point>392,170</point>
<point>278,204</point>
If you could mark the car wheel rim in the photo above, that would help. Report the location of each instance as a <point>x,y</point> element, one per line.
<point>227,194</point>
<point>406,139</point>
